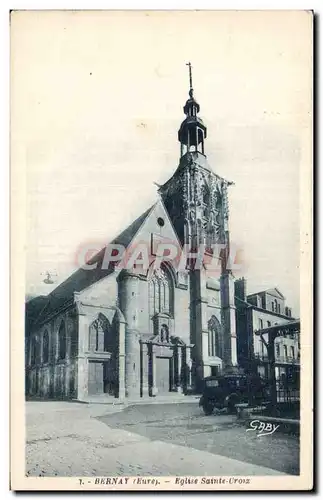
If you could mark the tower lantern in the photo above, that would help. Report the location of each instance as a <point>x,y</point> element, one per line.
<point>192,131</point>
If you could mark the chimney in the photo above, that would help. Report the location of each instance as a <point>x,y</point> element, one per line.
<point>288,312</point>
<point>240,289</point>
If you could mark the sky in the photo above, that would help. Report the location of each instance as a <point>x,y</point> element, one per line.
<point>97,100</point>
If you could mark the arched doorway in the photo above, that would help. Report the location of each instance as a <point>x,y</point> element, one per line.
<point>168,369</point>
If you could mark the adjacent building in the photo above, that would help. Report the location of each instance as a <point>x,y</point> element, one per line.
<point>259,312</point>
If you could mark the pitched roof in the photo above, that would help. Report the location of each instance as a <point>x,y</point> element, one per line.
<point>33,309</point>
<point>130,232</point>
<point>272,291</point>
<point>275,292</point>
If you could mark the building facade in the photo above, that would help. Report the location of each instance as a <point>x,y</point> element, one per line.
<point>132,332</point>
<point>260,312</point>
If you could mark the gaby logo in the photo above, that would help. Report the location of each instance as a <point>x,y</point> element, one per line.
<point>263,428</point>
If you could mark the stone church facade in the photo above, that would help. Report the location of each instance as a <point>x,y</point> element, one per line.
<point>123,332</point>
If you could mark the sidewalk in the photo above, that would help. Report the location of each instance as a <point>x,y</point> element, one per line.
<point>65,439</point>
<point>104,404</point>
<point>171,398</point>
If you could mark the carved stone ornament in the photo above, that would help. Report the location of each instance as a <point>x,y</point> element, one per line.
<point>192,215</point>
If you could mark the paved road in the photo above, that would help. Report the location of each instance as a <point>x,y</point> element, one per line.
<point>186,425</point>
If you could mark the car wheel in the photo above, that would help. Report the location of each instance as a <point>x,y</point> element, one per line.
<point>208,409</point>
<point>232,401</point>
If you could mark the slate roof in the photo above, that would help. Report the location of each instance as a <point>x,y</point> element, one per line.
<point>33,309</point>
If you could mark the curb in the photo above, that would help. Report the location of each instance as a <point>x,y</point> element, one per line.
<point>135,402</point>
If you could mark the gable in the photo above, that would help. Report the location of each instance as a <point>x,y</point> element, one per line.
<point>158,224</point>
<point>275,293</point>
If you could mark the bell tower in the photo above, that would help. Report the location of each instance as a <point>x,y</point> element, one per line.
<point>192,132</point>
<point>196,199</point>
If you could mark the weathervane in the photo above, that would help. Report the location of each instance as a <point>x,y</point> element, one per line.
<point>190,75</point>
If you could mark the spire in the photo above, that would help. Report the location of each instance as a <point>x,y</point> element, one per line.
<point>192,132</point>
<point>190,93</point>
<point>191,107</point>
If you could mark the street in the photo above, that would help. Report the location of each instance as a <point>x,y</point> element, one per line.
<point>71,439</point>
<point>186,425</point>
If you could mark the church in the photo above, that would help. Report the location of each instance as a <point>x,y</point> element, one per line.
<point>120,332</point>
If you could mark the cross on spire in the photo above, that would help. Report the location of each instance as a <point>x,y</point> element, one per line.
<point>190,76</point>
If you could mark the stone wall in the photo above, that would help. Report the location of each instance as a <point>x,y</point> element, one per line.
<point>49,376</point>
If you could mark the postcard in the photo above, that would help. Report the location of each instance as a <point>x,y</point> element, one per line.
<point>161,250</point>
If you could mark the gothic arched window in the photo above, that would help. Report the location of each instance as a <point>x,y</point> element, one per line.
<point>161,292</point>
<point>45,347</point>
<point>214,330</point>
<point>33,356</point>
<point>93,337</point>
<point>74,337</point>
<point>62,341</point>
<point>37,350</point>
<point>99,335</point>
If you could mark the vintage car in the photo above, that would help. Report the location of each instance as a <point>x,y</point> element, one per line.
<point>228,390</point>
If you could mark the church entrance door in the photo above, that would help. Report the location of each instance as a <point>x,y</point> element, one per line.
<point>95,384</point>
<point>102,377</point>
<point>163,375</point>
